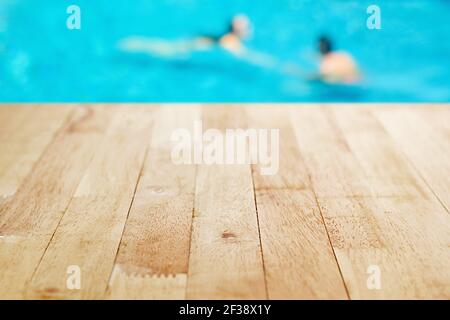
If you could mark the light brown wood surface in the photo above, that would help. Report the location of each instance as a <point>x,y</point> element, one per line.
<point>225,259</point>
<point>94,186</point>
<point>152,262</point>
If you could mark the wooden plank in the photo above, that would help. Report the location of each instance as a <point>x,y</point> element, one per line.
<point>90,231</point>
<point>436,116</point>
<point>225,258</point>
<point>387,233</point>
<point>333,169</point>
<point>387,171</point>
<point>399,227</point>
<point>152,261</point>
<point>29,220</point>
<point>298,257</point>
<point>11,118</point>
<point>28,130</point>
<point>424,136</point>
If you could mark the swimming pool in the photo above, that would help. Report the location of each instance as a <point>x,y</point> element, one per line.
<point>41,60</point>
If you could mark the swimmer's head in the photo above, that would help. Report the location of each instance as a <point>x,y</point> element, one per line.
<point>325,45</point>
<point>240,26</point>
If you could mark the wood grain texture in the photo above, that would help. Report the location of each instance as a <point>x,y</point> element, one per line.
<point>386,224</point>
<point>332,167</point>
<point>298,257</point>
<point>95,186</point>
<point>424,137</point>
<point>24,135</point>
<point>225,259</point>
<point>153,258</point>
<point>28,221</point>
<point>11,118</point>
<point>102,199</point>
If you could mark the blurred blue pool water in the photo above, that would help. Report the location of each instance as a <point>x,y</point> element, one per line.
<point>41,60</point>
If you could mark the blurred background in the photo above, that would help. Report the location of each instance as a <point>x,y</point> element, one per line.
<point>41,60</point>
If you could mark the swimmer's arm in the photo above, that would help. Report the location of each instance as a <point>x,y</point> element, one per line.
<point>202,43</point>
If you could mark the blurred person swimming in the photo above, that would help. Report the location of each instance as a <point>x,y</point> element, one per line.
<point>336,66</point>
<point>232,40</point>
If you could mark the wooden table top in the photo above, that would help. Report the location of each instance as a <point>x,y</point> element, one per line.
<point>93,207</point>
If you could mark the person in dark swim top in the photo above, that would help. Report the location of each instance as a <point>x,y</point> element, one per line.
<point>239,30</point>
<point>336,66</point>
